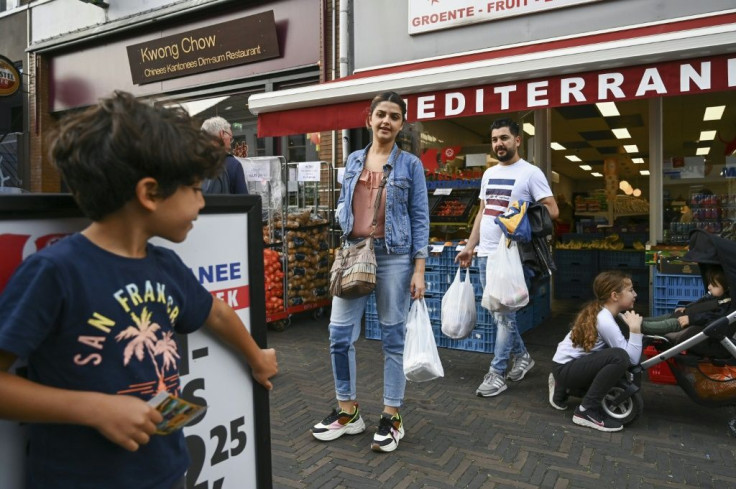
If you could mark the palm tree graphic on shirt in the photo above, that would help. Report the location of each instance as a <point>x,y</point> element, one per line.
<point>145,344</point>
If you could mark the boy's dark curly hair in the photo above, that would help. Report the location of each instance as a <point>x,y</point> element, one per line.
<point>103,151</point>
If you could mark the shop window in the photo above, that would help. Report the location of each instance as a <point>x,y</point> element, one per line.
<point>234,109</point>
<point>699,167</point>
<point>600,158</point>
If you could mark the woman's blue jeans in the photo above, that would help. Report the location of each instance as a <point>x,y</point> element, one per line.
<point>393,279</point>
<point>508,340</point>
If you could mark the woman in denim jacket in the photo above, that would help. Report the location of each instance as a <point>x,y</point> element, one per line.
<point>402,236</point>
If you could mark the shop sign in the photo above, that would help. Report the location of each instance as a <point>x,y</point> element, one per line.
<point>434,15</point>
<point>236,42</point>
<point>712,74</point>
<point>637,82</point>
<point>9,77</point>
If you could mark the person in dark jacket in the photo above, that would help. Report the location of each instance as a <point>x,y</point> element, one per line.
<point>232,179</point>
<point>711,306</point>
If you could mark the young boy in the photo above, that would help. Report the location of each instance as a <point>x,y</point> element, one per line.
<point>711,306</point>
<point>94,312</point>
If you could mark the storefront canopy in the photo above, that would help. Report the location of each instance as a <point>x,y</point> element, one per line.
<point>642,62</point>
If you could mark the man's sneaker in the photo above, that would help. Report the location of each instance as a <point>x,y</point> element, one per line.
<point>492,385</point>
<point>556,400</point>
<point>339,423</point>
<point>593,418</point>
<point>390,431</point>
<point>520,367</point>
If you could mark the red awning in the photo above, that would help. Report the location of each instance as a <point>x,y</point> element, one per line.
<point>521,79</point>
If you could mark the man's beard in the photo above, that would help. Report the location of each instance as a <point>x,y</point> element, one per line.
<point>510,153</point>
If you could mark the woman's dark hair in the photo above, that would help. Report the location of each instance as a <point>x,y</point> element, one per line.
<point>389,97</point>
<point>104,151</point>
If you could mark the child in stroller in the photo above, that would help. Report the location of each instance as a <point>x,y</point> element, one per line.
<point>702,358</point>
<point>711,306</point>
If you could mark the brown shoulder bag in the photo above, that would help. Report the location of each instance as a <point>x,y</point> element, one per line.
<point>353,274</point>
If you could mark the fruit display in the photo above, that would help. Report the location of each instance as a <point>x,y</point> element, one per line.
<point>274,281</point>
<point>612,242</point>
<point>453,208</point>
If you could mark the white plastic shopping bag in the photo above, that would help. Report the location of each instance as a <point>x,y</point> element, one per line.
<point>458,308</point>
<point>421,359</point>
<point>505,285</point>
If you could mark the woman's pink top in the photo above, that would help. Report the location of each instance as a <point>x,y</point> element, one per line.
<point>364,198</point>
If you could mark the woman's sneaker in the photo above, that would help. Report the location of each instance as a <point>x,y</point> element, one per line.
<point>557,400</point>
<point>594,418</point>
<point>339,423</point>
<point>390,431</point>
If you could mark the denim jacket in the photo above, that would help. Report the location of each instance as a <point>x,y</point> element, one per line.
<point>407,213</point>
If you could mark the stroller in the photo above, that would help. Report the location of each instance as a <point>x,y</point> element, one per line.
<point>702,360</point>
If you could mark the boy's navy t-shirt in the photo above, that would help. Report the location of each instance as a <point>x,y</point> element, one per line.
<point>86,319</point>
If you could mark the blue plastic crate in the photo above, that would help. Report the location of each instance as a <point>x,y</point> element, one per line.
<point>370,306</point>
<point>640,279</point>
<point>574,284</point>
<point>436,281</point>
<point>433,261</point>
<point>614,260</point>
<point>665,306</point>
<point>447,259</point>
<point>541,308</point>
<point>569,259</point>
<point>678,287</point>
<point>481,339</point>
<point>525,319</point>
<point>434,307</point>
<point>372,329</point>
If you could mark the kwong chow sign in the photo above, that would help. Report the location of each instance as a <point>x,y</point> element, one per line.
<point>236,42</point>
<point>433,15</point>
<point>9,77</point>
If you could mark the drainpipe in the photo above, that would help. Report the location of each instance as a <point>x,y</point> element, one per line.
<point>344,53</point>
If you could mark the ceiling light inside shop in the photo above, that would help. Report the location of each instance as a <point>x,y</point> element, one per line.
<point>702,151</point>
<point>707,135</point>
<point>586,167</point>
<point>622,133</point>
<point>629,191</point>
<point>638,161</point>
<point>644,172</point>
<point>637,192</point>
<point>623,184</point>
<point>528,128</point>
<point>573,158</point>
<point>631,148</point>
<point>608,109</point>
<point>556,146</point>
<point>596,174</point>
<point>714,113</point>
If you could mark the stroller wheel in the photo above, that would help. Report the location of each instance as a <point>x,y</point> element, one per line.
<point>626,411</point>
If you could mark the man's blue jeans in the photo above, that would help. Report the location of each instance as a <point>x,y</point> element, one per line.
<point>393,279</point>
<point>508,340</point>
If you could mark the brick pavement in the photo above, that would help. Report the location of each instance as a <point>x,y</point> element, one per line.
<point>457,440</point>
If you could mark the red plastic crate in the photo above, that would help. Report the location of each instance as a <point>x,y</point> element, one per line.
<point>660,373</point>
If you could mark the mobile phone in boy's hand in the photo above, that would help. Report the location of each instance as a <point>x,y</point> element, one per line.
<point>176,412</point>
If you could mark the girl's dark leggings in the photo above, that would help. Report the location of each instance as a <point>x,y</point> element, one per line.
<point>595,373</point>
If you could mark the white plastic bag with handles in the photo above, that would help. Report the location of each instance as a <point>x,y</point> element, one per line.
<point>506,289</point>
<point>458,308</point>
<point>421,359</point>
